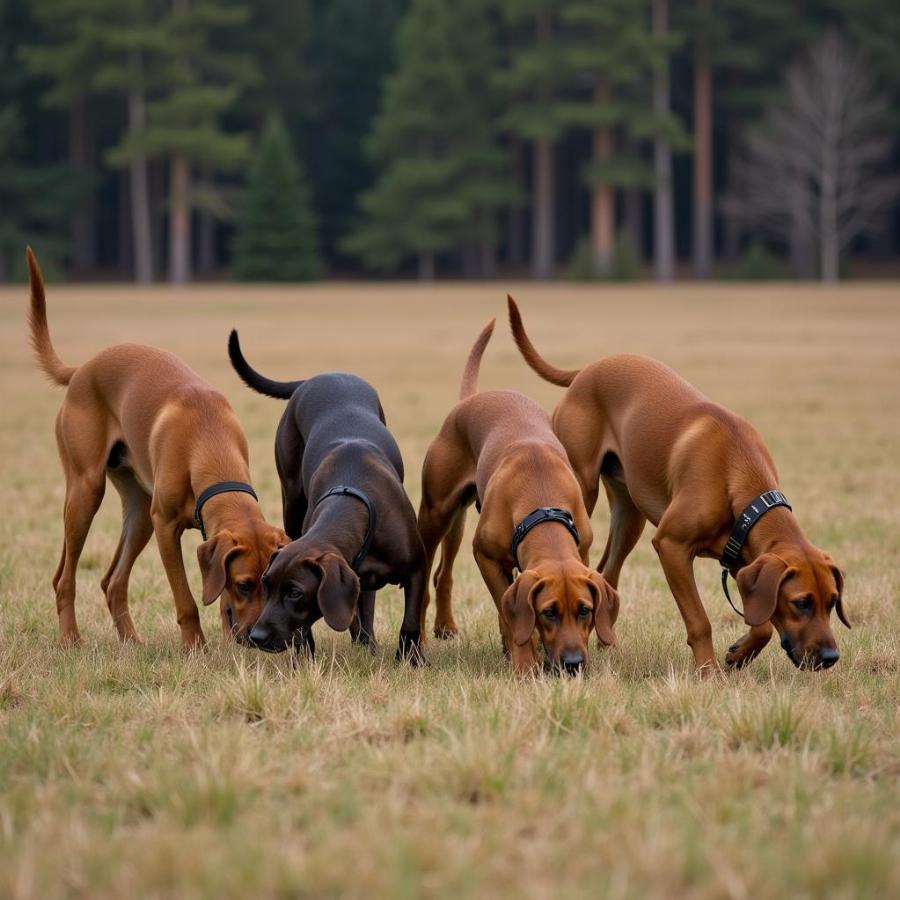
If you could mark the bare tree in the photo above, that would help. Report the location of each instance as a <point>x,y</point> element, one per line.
<point>816,172</point>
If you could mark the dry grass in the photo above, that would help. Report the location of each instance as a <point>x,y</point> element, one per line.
<point>130,771</point>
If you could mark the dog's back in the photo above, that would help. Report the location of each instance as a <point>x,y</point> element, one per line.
<point>337,408</point>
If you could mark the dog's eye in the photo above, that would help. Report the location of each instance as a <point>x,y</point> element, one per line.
<point>294,593</point>
<point>245,587</point>
<point>804,604</point>
<point>584,611</point>
<point>550,614</point>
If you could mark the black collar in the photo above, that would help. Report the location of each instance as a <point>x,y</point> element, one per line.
<point>221,487</point>
<point>754,511</point>
<point>343,490</point>
<point>542,514</point>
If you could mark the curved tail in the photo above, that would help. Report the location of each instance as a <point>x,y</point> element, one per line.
<point>280,390</point>
<point>473,363</point>
<point>54,368</point>
<point>562,377</point>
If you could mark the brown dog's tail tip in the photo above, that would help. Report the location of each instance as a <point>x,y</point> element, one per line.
<point>53,367</point>
<point>547,371</point>
<point>473,363</point>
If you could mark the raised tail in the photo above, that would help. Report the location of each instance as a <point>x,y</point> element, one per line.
<point>562,377</point>
<point>473,363</point>
<point>54,368</point>
<point>280,390</point>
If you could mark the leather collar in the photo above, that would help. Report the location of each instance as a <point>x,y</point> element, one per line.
<point>343,490</point>
<point>537,517</point>
<point>221,487</point>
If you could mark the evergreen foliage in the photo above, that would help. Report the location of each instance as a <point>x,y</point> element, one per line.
<point>276,239</point>
<point>435,142</point>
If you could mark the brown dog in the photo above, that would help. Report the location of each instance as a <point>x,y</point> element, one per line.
<point>163,436</point>
<point>498,447</point>
<point>666,453</point>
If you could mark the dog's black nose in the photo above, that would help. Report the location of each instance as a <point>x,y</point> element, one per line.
<point>828,656</point>
<point>260,635</point>
<point>572,662</point>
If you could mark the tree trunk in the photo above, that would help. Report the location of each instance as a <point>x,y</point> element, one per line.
<point>206,250</point>
<point>124,247</point>
<point>544,225</point>
<point>634,218</point>
<point>603,200</point>
<point>488,259</point>
<point>829,241</point>
<point>179,221</point>
<point>206,227</point>
<point>802,251</point>
<point>426,267</point>
<point>703,162</point>
<point>142,241</point>
<point>543,239</point>
<point>84,222</point>
<point>516,238</point>
<point>663,217</point>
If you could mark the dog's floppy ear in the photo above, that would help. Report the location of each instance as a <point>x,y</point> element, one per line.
<point>338,590</point>
<point>517,606</point>
<point>606,608</point>
<point>839,582</point>
<point>213,556</point>
<point>759,584</point>
<point>279,541</point>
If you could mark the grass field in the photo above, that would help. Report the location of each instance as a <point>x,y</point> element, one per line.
<point>130,771</point>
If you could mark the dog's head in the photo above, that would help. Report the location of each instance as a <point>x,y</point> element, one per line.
<point>232,565</point>
<point>302,585</point>
<point>563,602</point>
<point>796,589</point>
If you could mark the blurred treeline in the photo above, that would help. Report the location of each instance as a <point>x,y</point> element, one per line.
<point>295,139</point>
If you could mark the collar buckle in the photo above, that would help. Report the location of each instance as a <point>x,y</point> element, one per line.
<point>537,517</point>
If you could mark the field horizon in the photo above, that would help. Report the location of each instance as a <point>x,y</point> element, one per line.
<point>137,770</point>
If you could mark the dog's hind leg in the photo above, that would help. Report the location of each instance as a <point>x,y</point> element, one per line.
<point>625,528</point>
<point>448,476</point>
<point>137,529</point>
<point>84,493</point>
<point>444,625</point>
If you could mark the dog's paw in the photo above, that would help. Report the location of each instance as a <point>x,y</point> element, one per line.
<point>410,652</point>
<point>445,632</point>
<point>740,654</point>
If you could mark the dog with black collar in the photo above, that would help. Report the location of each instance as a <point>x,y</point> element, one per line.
<point>703,476</point>
<point>351,524</point>
<point>497,449</point>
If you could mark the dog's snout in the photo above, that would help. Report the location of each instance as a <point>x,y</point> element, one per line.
<point>828,656</point>
<point>572,661</point>
<point>260,635</point>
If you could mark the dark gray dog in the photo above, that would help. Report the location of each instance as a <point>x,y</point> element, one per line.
<point>351,524</point>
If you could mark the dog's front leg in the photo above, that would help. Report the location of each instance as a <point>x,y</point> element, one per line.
<point>524,658</point>
<point>743,651</point>
<point>168,537</point>
<point>362,627</point>
<point>410,646</point>
<point>678,565</point>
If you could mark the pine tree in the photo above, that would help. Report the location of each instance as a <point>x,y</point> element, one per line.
<point>64,58</point>
<point>276,239</point>
<point>608,54</point>
<point>442,173</point>
<point>37,196</point>
<point>530,81</point>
